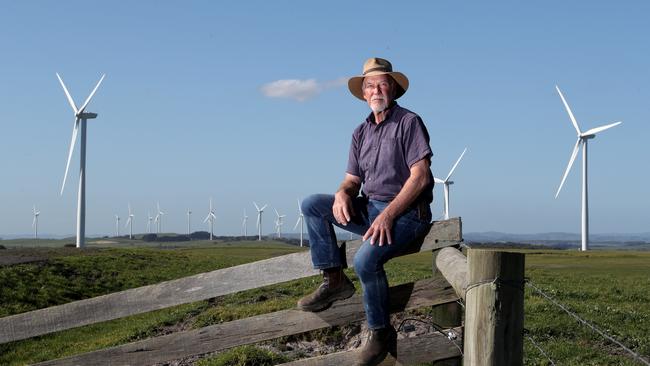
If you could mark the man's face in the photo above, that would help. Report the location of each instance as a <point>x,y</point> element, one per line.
<point>378,91</point>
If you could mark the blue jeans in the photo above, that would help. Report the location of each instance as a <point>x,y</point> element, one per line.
<point>369,260</point>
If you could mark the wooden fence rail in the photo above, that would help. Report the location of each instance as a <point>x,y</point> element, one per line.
<point>190,289</point>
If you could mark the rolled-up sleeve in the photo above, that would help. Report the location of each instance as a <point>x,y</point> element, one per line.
<point>416,141</point>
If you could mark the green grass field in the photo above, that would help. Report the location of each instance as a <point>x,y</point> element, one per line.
<point>609,289</point>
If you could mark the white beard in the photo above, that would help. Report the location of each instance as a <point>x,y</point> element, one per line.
<point>378,106</point>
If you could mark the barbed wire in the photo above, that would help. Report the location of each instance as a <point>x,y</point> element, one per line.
<point>451,334</point>
<point>637,356</point>
<point>539,347</point>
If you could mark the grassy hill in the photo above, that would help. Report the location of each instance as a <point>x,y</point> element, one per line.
<point>610,289</point>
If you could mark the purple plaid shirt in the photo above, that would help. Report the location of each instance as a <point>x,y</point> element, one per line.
<point>382,154</point>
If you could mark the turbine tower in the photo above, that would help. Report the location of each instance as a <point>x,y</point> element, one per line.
<point>259,220</point>
<point>117,226</point>
<point>158,219</point>
<point>583,137</point>
<point>211,217</point>
<point>278,223</point>
<point>149,222</point>
<point>81,117</point>
<point>301,218</point>
<point>129,222</point>
<point>446,183</point>
<point>189,214</point>
<point>35,222</point>
<point>244,227</point>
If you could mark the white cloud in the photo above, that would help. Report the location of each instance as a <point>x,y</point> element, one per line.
<point>299,90</point>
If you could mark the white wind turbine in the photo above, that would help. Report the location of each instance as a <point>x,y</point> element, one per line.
<point>129,222</point>
<point>189,214</point>
<point>211,217</point>
<point>35,222</point>
<point>149,222</point>
<point>259,220</point>
<point>446,183</point>
<point>244,226</point>
<point>301,218</point>
<point>81,117</point>
<point>583,137</point>
<point>278,223</point>
<point>158,219</point>
<point>117,226</point>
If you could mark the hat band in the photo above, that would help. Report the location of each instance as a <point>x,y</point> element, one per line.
<point>380,68</point>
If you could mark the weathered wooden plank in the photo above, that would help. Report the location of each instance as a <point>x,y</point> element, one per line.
<point>453,266</point>
<point>259,328</point>
<point>410,351</point>
<point>190,289</point>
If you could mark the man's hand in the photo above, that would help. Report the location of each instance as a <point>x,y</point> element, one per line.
<point>381,229</point>
<point>342,208</point>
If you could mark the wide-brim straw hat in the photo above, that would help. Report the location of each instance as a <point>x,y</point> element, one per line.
<point>378,66</point>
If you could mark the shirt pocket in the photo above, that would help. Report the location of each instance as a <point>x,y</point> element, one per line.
<point>389,153</point>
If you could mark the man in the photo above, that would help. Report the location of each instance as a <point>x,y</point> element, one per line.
<point>389,163</point>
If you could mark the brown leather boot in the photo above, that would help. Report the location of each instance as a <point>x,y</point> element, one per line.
<point>380,342</point>
<point>336,286</point>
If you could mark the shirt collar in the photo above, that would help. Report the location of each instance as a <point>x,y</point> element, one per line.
<point>389,112</point>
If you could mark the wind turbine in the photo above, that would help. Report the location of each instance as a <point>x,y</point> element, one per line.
<point>129,222</point>
<point>189,214</point>
<point>210,218</point>
<point>583,137</point>
<point>35,222</point>
<point>81,117</point>
<point>244,228</point>
<point>117,226</point>
<point>158,219</point>
<point>259,220</point>
<point>149,222</point>
<point>446,183</point>
<point>278,223</point>
<point>301,218</point>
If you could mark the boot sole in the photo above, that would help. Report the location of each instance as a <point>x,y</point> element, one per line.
<point>322,306</point>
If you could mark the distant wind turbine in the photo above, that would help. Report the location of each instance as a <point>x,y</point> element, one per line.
<point>301,218</point>
<point>129,222</point>
<point>279,223</point>
<point>583,137</point>
<point>158,219</point>
<point>189,214</point>
<point>211,217</point>
<point>35,222</point>
<point>446,183</point>
<point>81,117</point>
<point>117,226</point>
<point>149,222</point>
<point>244,226</point>
<point>259,220</point>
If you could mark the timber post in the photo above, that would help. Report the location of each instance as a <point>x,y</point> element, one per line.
<point>494,310</point>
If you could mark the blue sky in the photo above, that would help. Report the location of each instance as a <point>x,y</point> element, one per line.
<point>196,104</point>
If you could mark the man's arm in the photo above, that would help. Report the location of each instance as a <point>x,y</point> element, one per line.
<point>414,185</point>
<point>348,189</point>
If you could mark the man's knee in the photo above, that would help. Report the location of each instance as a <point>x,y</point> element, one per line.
<point>365,263</point>
<point>312,205</point>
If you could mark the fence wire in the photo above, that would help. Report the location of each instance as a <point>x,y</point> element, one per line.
<point>637,357</point>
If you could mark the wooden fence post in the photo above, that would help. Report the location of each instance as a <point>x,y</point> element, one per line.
<point>494,310</point>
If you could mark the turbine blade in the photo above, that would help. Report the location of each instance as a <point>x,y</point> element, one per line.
<point>297,222</point>
<point>127,222</point>
<point>91,94</point>
<point>566,105</point>
<point>594,131</point>
<point>573,158</point>
<point>299,206</point>
<point>206,218</point>
<point>438,180</point>
<point>276,212</point>
<point>67,94</point>
<point>34,221</point>
<point>263,207</point>
<point>256,206</point>
<point>72,143</point>
<point>455,165</point>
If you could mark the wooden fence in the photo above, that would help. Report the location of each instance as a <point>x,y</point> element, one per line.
<point>430,292</point>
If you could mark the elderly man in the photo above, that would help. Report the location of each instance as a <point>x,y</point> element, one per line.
<point>389,164</point>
